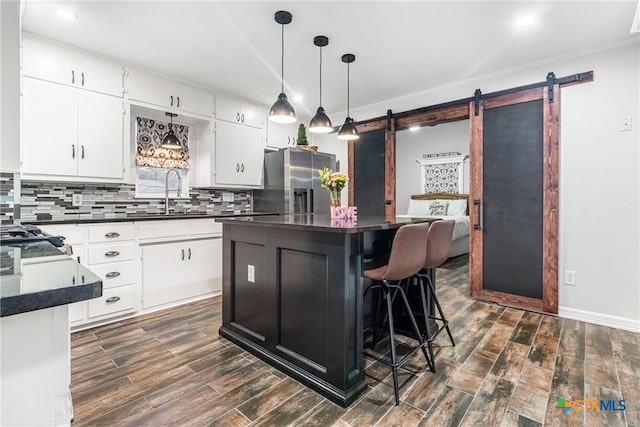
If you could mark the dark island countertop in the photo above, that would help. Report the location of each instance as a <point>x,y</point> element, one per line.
<point>313,222</point>
<point>100,218</point>
<point>37,275</point>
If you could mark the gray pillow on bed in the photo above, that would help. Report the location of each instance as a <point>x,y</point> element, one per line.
<point>438,208</point>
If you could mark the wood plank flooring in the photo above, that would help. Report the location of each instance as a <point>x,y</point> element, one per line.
<point>508,368</point>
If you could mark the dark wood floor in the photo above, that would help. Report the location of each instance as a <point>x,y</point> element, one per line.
<point>509,368</point>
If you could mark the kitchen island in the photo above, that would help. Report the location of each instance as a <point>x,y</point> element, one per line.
<point>37,282</point>
<point>292,294</point>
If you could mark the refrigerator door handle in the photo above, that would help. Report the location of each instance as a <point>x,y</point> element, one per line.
<point>311,200</point>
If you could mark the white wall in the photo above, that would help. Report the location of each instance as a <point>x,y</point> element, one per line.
<point>10,86</point>
<point>599,176</point>
<point>412,144</point>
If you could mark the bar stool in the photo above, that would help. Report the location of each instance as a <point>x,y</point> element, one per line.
<point>408,252</point>
<point>438,247</point>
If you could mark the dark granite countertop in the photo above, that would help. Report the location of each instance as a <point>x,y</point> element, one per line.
<point>36,275</point>
<point>312,222</point>
<point>97,218</point>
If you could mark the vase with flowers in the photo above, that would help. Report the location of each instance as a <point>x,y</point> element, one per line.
<point>334,182</point>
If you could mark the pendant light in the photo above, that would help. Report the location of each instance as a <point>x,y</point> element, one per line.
<point>281,111</point>
<point>320,123</point>
<point>170,140</point>
<point>348,130</point>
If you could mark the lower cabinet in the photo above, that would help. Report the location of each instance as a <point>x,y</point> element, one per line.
<point>179,270</point>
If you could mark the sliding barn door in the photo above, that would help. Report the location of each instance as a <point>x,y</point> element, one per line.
<point>514,199</point>
<point>368,173</point>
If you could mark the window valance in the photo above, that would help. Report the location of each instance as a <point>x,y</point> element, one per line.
<point>149,136</point>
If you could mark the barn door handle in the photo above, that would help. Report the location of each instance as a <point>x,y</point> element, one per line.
<point>478,205</point>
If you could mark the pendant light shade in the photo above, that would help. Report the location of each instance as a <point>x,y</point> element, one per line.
<point>348,130</point>
<point>281,111</point>
<point>320,123</point>
<point>170,140</point>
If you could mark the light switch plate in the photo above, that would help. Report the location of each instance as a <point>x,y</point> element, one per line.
<point>227,196</point>
<point>76,200</point>
<point>251,273</point>
<point>570,277</point>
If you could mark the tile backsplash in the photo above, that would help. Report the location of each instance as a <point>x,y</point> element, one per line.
<point>43,200</point>
<point>9,202</point>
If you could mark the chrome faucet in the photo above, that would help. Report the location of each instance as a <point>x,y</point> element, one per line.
<point>166,188</point>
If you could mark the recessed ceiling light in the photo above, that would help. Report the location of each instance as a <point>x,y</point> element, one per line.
<point>298,98</point>
<point>525,21</point>
<point>414,128</point>
<point>67,14</point>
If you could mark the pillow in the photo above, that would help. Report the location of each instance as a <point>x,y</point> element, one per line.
<point>438,208</point>
<point>457,207</point>
<point>418,207</point>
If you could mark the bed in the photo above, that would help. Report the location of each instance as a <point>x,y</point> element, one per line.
<point>445,206</point>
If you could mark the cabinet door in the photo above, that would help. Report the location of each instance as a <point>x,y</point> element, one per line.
<point>78,310</point>
<point>49,128</point>
<point>236,111</point>
<point>252,162</point>
<point>229,139</point>
<point>193,100</point>
<point>100,76</point>
<point>100,135</point>
<point>150,89</point>
<point>163,274</point>
<point>49,62</point>
<point>204,266</point>
<point>280,135</point>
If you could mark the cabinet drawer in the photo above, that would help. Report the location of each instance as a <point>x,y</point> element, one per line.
<point>111,232</point>
<point>159,229</point>
<point>111,253</point>
<point>113,300</point>
<point>116,273</point>
<point>72,235</point>
<point>206,226</point>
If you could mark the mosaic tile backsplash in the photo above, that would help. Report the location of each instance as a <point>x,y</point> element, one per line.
<point>7,198</point>
<point>42,200</point>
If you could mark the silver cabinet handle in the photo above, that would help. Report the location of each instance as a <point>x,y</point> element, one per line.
<point>73,77</point>
<point>189,251</point>
<point>112,235</point>
<point>242,168</point>
<point>288,140</point>
<point>112,300</point>
<point>73,151</point>
<point>294,140</point>
<point>112,254</point>
<point>178,101</point>
<point>237,117</point>
<point>242,118</point>
<point>82,79</point>
<point>182,254</point>
<point>237,167</point>
<point>112,274</point>
<point>82,151</point>
<point>171,100</point>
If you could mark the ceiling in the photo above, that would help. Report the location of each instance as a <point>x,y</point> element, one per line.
<point>400,47</point>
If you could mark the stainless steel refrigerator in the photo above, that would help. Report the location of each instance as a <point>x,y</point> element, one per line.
<point>292,183</point>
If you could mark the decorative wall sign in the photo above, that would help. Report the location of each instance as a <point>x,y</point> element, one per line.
<point>149,136</point>
<point>442,174</point>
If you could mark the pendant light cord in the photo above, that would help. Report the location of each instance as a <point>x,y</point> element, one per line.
<point>282,60</point>
<point>348,64</point>
<point>320,76</point>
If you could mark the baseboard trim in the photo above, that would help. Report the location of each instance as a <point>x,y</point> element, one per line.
<point>600,319</point>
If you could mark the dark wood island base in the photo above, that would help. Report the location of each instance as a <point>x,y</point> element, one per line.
<point>292,296</point>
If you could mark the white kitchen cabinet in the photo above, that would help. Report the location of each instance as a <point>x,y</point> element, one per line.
<point>174,271</point>
<point>239,154</point>
<point>239,112</point>
<point>65,66</point>
<point>169,95</point>
<point>282,135</point>
<point>71,132</point>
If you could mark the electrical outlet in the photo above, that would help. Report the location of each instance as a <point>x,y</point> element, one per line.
<point>76,200</point>
<point>251,274</point>
<point>569,277</point>
<point>625,124</point>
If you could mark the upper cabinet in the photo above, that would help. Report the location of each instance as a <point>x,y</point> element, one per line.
<point>169,95</point>
<point>71,132</point>
<point>240,112</point>
<point>282,135</point>
<point>64,66</point>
